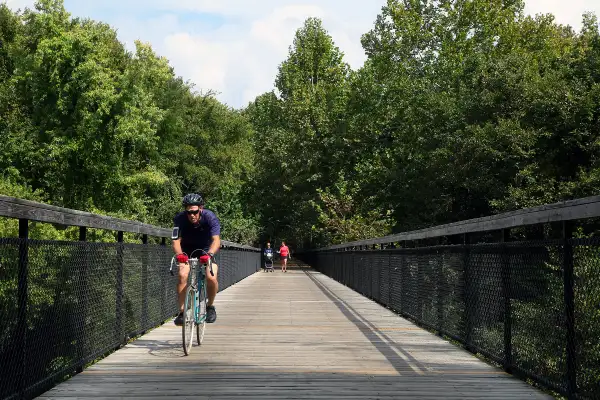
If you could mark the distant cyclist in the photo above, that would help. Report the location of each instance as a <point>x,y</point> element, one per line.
<point>196,228</point>
<point>284,251</point>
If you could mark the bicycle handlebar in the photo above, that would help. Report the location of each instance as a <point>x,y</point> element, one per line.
<point>194,258</point>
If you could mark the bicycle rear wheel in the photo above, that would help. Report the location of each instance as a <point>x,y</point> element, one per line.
<point>188,319</point>
<point>202,303</point>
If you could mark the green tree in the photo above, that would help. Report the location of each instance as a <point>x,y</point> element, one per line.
<point>299,132</point>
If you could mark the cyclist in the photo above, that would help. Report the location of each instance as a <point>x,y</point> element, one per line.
<point>196,228</point>
<point>284,251</point>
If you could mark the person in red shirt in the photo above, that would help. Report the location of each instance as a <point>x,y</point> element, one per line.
<point>284,251</point>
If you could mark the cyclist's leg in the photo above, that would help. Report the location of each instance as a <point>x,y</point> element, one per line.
<point>212,284</point>
<point>184,271</point>
<point>212,287</point>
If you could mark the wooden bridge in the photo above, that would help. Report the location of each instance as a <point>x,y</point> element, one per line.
<point>519,288</point>
<point>296,335</point>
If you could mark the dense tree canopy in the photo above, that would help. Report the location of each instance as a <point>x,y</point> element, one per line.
<point>463,108</point>
<point>85,124</point>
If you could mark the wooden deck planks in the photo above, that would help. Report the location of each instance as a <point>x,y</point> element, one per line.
<point>295,335</point>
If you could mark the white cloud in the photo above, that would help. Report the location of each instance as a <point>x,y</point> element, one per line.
<point>277,28</point>
<point>240,60</point>
<point>18,4</point>
<point>235,46</point>
<point>566,12</point>
<point>245,8</point>
<point>203,62</point>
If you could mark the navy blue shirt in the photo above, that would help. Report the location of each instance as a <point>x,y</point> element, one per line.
<point>200,236</point>
<point>269,253</point>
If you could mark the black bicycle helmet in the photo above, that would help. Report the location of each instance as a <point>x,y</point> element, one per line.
<point>192,199</point>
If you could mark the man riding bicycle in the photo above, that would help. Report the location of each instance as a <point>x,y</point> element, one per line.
<point>196,228</point>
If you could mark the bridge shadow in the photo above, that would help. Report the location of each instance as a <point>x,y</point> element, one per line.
<point>402,360</point>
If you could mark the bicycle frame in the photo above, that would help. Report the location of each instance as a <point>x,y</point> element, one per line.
<point>196,299</point>
<point>197,274</point>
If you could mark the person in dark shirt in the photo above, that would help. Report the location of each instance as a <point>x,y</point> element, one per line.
<point>196,228</point>
<point>268,257</point>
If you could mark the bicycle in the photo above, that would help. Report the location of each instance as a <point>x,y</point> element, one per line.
<point>196,301</point>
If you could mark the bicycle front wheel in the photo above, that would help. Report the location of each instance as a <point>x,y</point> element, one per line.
<point>189,319</point>
<point>202,303</point>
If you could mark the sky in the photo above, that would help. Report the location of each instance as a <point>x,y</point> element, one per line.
<point>234,47</point>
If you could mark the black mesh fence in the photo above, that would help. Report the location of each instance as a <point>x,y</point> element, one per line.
<point>516,303</point>
<point>246,264</point>
<point>65,304</point>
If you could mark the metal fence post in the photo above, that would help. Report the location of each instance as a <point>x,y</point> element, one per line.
<point>569,297</point>
<point>468,295</point>
<point>163,287</point>
<point>23,300</point>
<point>81,341</point>
<point>440,292</point>
<point>119,291</point>
<point>403,275</point>
<point>389,302</point>
<point>144,317</point>
<point>506,292</point>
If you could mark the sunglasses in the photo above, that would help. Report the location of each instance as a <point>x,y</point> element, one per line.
<point>192,212</point>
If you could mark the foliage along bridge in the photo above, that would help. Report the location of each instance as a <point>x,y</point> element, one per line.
<point>466,310</point>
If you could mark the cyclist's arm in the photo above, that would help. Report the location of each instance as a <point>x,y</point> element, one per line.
<point>216,244</point>
<point>215,233</point>
<point>177,246</point>
<point>176,237</point>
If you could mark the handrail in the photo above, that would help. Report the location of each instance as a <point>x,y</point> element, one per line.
<point>13,207</point>
<point>587,207</point>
